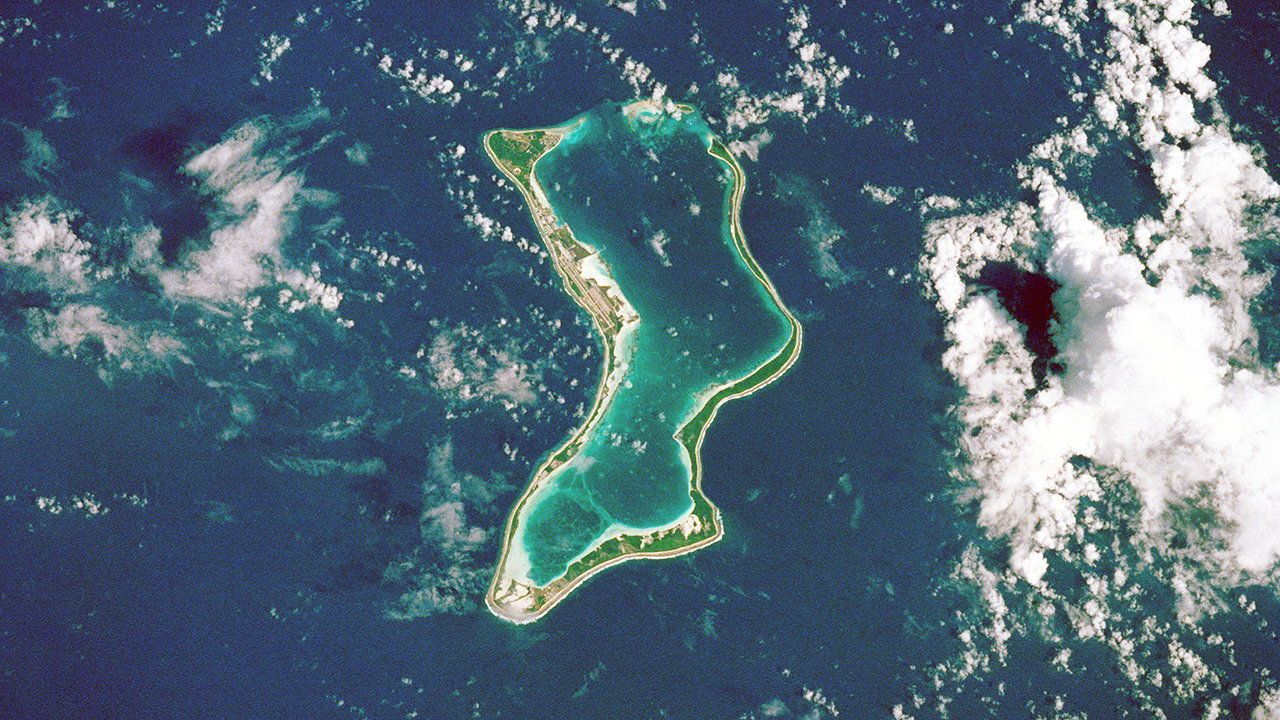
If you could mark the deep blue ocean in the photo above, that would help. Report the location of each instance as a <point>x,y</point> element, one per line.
<point>228,581</point>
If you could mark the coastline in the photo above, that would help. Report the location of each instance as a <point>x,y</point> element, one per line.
<point>520,602</point>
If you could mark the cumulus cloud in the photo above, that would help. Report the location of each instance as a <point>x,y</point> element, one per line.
<point>812,81</point>
<point>443,573</point>
<point>820,233</point>
<point>469,366</point>
<point>433,87</point>
<point>41,158</point>
<point>1159,377</point>
<point>1268,706</point>
<point>96,291</point>
<point>258,197</point>
<point>37,239</point>
<point>542,19</point>
<point>751,146</point>
<point>41,251</point>
<point>1152,386</point>
<point>883,195</point>
<point>256,201</point>
<point>75,329</point>
<point>1119,437</point>
<point>274,46</point>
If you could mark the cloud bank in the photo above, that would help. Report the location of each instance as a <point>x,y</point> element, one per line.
<point>1119,428</point>
<point>443,574</point>
<point>101,288</point>
<point>1160,380</point>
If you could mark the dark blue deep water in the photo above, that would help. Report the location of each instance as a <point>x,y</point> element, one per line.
<point>229,581</point>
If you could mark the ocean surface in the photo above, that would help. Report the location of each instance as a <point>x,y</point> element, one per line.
<point>289,353</point>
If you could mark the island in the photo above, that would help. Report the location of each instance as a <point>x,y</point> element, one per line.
<point>639,206</point>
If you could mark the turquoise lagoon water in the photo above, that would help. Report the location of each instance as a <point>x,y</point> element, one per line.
<point>643,191</point>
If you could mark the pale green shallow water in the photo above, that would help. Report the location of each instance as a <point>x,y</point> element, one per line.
<point>649,198</point>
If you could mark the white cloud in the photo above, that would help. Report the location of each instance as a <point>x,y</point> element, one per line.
<point>752,146</point>
<point>41,158</point>
<point>626,6</point>
<point>658,243</point>
<point>59,101</point>
<point>358,153</point>
<point>443,574</point>
<point>1161,381</point>
<point>546,19</point>
<point>237,270</point>
<point>274,46</point>
<point>437,589</point>
<point>1158,384</point>
<point>1268,706</point>
<point>434,87</point>
<point>820,232</point>
<point>75,329</point>
<point>36,236</point>
<point>446,523</point>
<point>812,82</point>
<point>39,246</point>
<point>886,195</point>
<point>466,364</point>
<point>257,201</point>
<point>1134,481</point>
<point>216,18</point>
<point>321,467</point>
